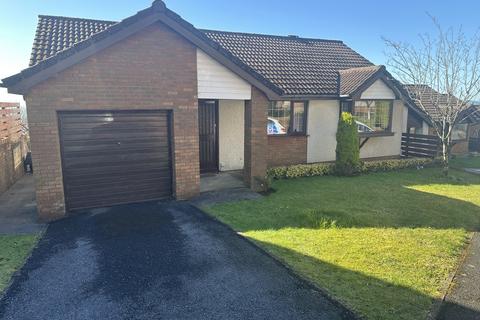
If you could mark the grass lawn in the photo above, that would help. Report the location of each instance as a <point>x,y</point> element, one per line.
<point>465,162</point>
<point>383,243</point>
<point>13,251</point>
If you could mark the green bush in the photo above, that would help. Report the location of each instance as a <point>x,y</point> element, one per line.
<point>323,169</point>
<point>301,170</point>
<point>347,161</point>
<point>394,164</point>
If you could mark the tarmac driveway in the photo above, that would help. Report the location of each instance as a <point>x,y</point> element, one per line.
<point>155,261</point>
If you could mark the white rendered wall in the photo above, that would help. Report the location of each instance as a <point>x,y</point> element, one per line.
<point>378,90</point>
<point>231,134</point>
<point>217,82</point>
<point>389,145</point>
<point>322,129</point>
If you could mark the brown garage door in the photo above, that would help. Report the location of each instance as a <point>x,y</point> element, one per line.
<point>115,157</point>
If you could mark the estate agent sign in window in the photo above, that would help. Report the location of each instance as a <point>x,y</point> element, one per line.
<point>286,117</point>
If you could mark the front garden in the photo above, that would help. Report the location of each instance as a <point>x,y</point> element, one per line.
<point>13,251</point>
<point>383,243</point>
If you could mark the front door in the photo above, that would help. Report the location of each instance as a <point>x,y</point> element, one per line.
<point>208,135</point>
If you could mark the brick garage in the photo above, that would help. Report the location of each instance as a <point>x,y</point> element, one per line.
<point>154,69</point>
<point>147,62</point>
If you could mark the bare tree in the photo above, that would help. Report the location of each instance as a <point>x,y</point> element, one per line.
<point>447,62</point>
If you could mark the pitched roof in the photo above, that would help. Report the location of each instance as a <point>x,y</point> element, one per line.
<point>55,34</point>
<point>472,114</point>
<point>157,12</point>
<point>288,65</point>
<point>431,100</point>
<point>351,79</point>
<point>300,66</point>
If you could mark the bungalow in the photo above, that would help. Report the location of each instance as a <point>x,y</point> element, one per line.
<point>136,110</point>
<point>432,101</point>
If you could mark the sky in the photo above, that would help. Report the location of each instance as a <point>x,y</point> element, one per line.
<point>360,24</point>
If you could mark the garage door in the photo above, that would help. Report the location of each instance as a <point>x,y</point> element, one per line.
<point>115,157</point>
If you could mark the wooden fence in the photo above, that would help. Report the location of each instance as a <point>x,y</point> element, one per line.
<point>419,145</point>
<point>10,121</point>
<point>12,154</point>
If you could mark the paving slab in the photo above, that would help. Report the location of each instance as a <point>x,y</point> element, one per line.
<point>472,170</point>
<point>463,300</point>
<point>18,208</point>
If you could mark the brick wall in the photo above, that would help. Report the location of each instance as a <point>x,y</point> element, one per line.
<point>255,155</point>
<point>286,150</point>
<point>153,69</point>
<point>460,147</point>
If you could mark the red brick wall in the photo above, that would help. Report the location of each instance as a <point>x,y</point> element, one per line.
<point>153,69</point>
<point>255,156</point>
<point>460,147</point>
<point>286,150</point>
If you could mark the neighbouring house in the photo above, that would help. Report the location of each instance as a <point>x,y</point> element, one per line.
<point>418,123</point>
<point>136,110</point>
<point>472,118</point>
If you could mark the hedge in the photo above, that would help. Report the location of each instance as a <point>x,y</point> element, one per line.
<point>324,169</point>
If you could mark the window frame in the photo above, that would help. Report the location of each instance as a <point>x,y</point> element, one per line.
<point>350,106</point>
<point>291,120</point>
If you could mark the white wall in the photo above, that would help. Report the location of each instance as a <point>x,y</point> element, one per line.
<point>217,82</point>
<point>231,134</point>
<point>405,119</point>
<point>389,145</point>
<point>378,90</point>
<point>425,127</point>
<point>322,129</point>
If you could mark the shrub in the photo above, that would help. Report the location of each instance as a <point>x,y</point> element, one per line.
<point>348,151</point>
<point>394,164</point>
<point>323,169</point>
<point>301,170</point>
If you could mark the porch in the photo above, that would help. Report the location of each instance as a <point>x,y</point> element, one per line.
<point>232,148</point>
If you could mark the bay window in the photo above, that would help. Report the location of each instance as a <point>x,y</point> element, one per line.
<point>371,116</point>
<point>286,117</point>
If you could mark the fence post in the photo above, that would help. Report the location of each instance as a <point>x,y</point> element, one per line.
<point>407,144</point>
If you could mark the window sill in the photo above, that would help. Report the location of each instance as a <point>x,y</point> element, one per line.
<point>288,135</point>
<point>375,134</point>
